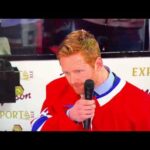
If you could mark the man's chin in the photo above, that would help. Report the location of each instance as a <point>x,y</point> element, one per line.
<point>78,91</point>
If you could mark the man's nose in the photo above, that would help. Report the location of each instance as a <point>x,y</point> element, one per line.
<point>73,78</point>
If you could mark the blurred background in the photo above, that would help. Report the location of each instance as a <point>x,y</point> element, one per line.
<point>42,36</point>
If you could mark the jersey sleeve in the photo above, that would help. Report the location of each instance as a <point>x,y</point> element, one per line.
<point>53,116</point>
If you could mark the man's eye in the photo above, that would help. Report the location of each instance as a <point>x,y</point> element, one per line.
<point>78,71</point>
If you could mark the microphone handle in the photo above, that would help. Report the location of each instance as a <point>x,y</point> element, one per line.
<point>87,123</point>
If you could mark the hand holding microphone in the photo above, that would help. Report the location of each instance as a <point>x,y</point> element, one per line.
<point>84,108</point>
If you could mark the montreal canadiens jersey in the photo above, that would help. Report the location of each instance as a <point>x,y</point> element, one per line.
<point>123,108</point>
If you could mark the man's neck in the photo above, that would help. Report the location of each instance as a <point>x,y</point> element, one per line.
<point>102,76</point>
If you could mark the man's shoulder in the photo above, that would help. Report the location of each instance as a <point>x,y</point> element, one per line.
<point>135,90</point>
<point>58,82</point>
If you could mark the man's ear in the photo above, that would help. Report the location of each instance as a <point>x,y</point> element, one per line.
<point>98,63</point>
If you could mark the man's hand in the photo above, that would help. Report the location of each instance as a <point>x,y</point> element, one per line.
<point>82,110</point>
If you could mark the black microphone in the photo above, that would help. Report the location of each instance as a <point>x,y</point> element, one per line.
<point>88,91</point>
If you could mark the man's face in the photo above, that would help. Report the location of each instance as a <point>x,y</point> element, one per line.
<point>76,71</point>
